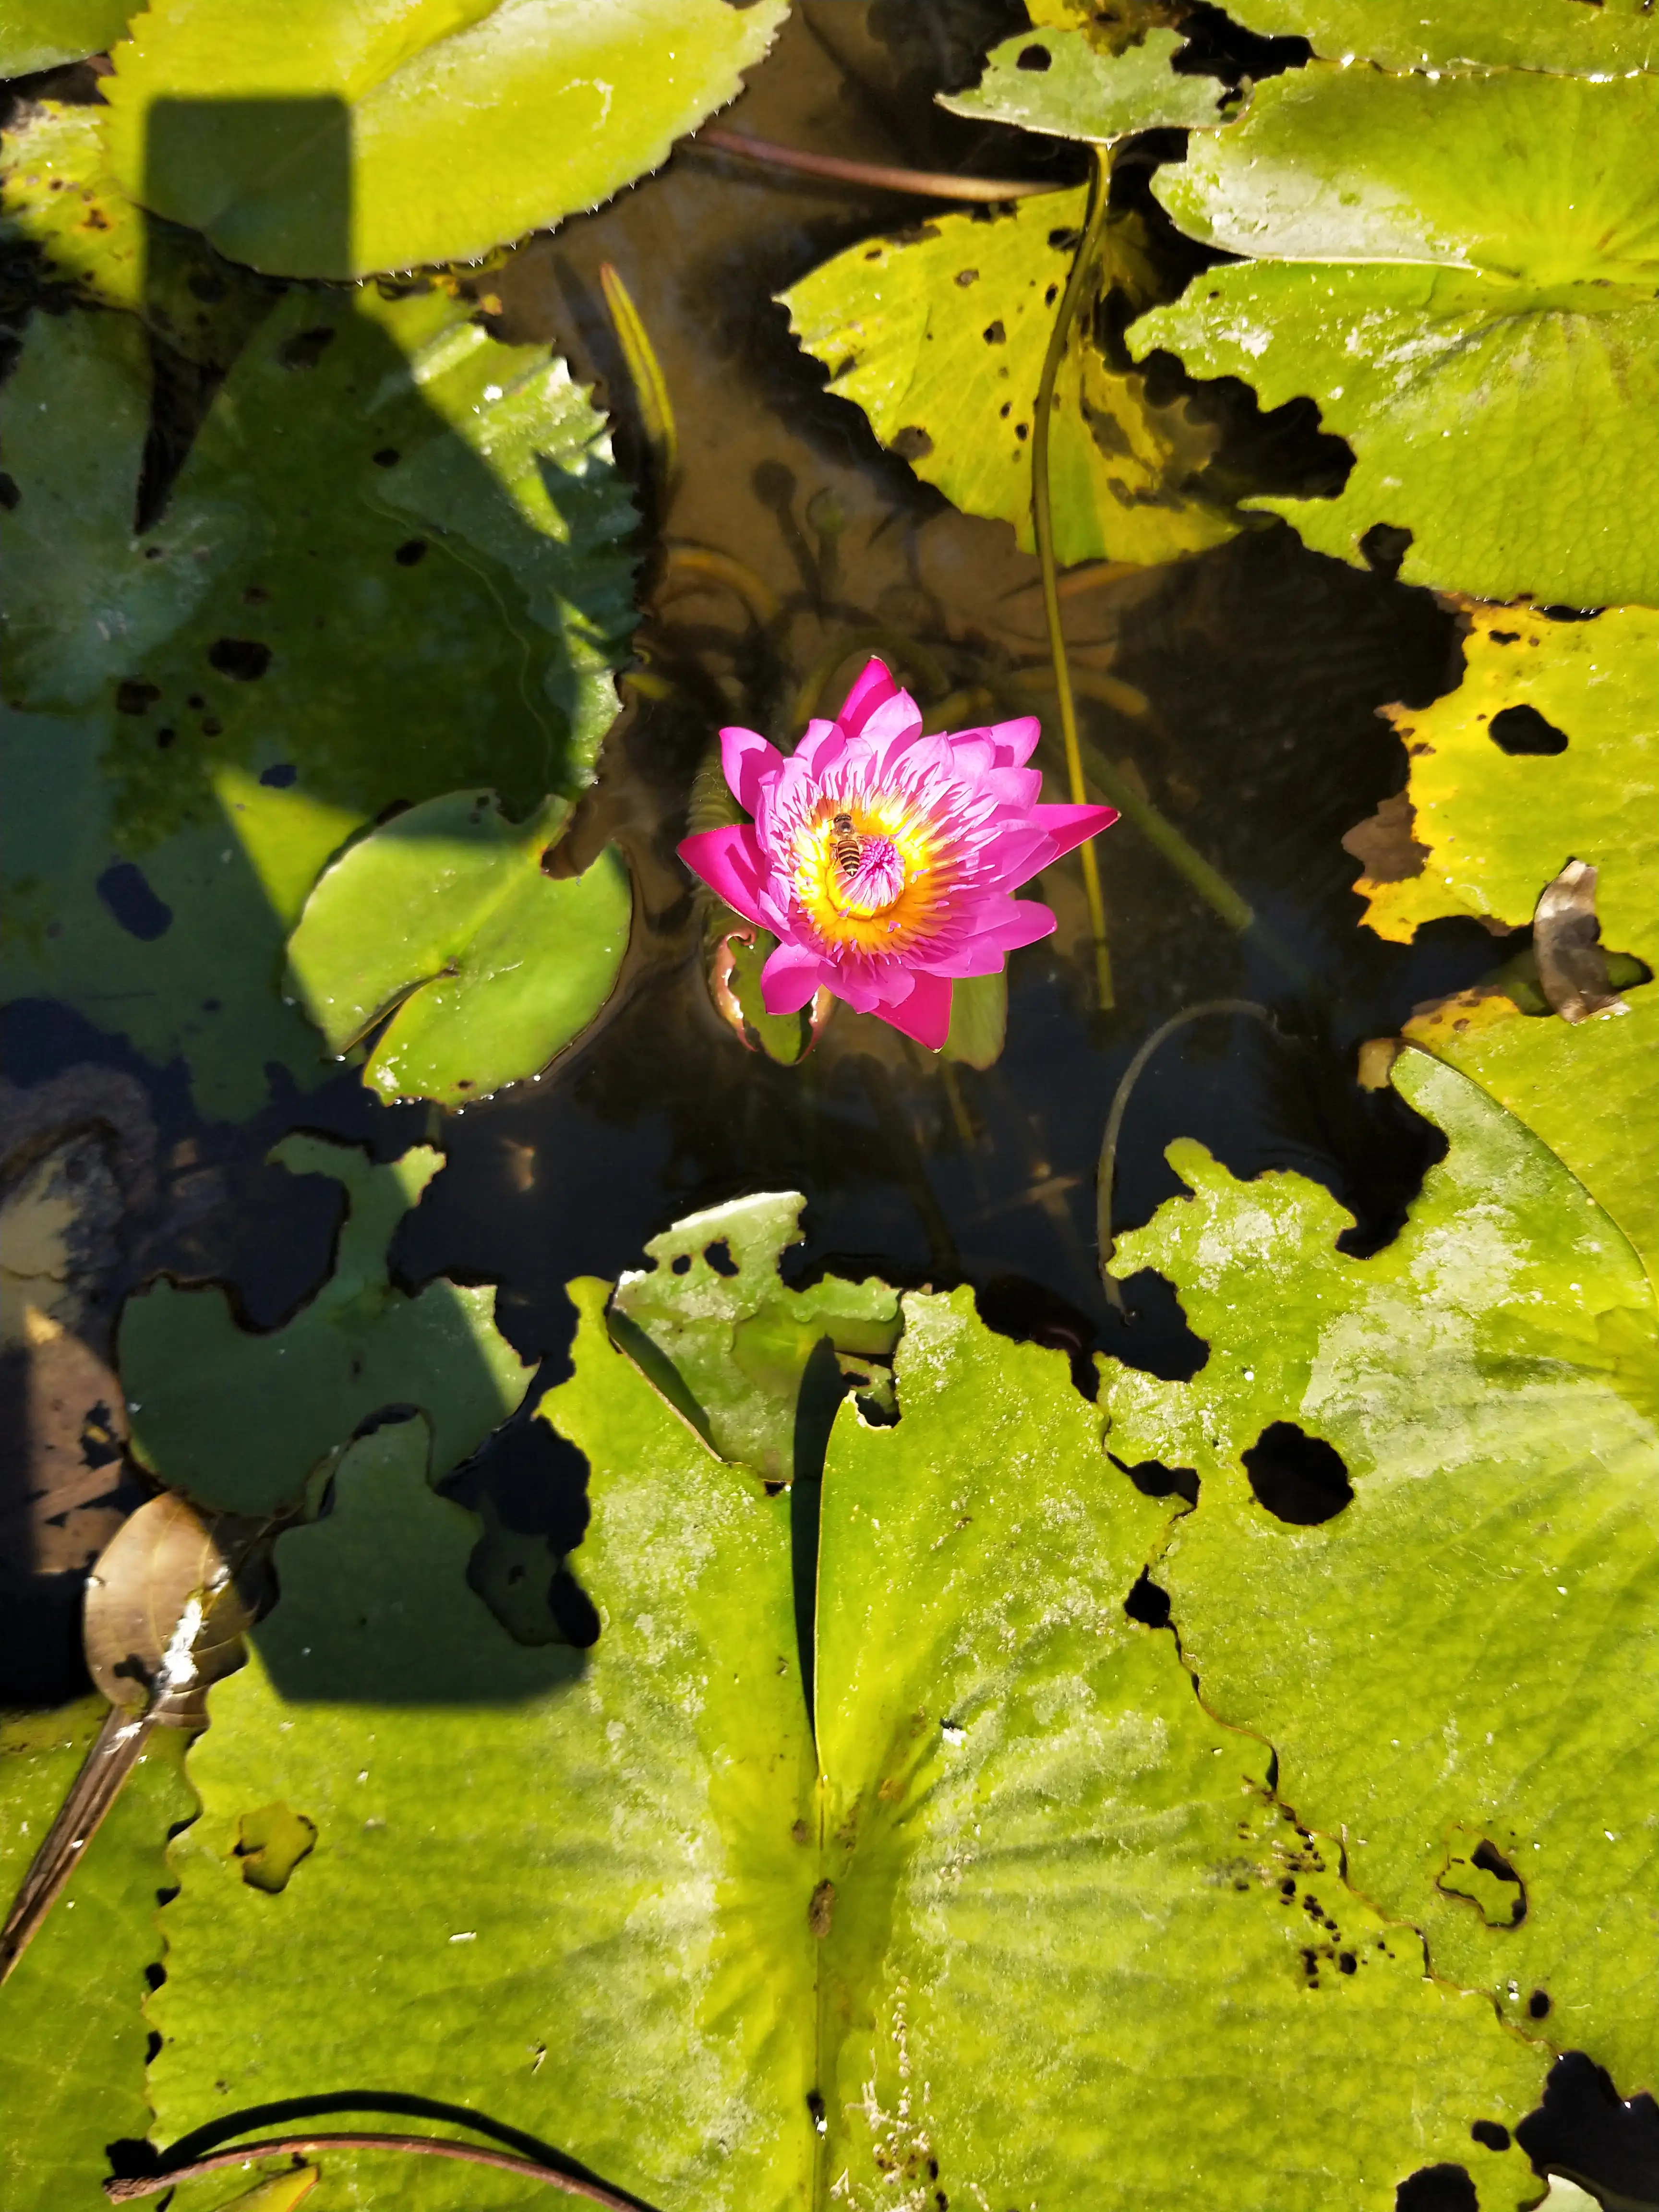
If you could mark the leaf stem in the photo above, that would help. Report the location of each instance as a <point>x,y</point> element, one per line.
<point>645,373</point>
<point>1042,525</point>
<point>872,639</point>
<point>926,184</point>
<point>126,2190</point>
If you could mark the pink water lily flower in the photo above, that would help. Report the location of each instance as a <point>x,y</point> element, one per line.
<point>885,861</point>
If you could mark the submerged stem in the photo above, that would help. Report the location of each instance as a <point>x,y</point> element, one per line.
<point>1042,525</point>
<point>151,2184</point>
<point>927,183</point>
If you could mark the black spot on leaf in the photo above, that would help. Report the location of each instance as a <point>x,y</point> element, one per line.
<point>279,775</point>
<point>1538,2004</point>
<point>1492,2133</point>
<point>1437,2188</point>
<point>387,458</point>
<point>244,659</point>
<point>1299,1479</point>
<point>411,550</point>
<point>913,443</point>
<point>9,494</point>
<point>305,348</point>
<point>134,697</point>
<point>1035,57</point>
<point>125,891</point>
<point>996,334</point>
<point>1523,729</point>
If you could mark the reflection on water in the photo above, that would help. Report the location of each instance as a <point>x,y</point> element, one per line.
<point>1238,690</point>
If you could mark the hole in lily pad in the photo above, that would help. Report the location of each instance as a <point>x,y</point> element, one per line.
<point>1492,2134</point>
<point>125,890</point>
<point>1383,547</point>
<point>1524,730</point>
<point>270,1844</point>
<point>718,1256</point>
<point>1147,1603</point>
<point>1437,2188</point>
<point>1035,58</point>
<point>1154,1480</point>
<point>245,659</point>
<point>1583,2126</point>
<point>305,348</point>
<point>279,775</point>
<point>681,1263</point>
<point>1299,1479</point>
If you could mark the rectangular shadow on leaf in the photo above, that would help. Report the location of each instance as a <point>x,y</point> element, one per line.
<point>268,179</point>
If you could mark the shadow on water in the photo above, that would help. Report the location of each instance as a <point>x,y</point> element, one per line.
<point>1262,667</point>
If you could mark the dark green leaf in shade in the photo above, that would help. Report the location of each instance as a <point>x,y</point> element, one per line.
<point>1420,269</point>
<point>939,335</point>
<point>394,563</point>
<point>657,1938</point>
<point>446,919</point>
<point>330,140</point>
<point>738,1340</point>
<point>1079,91</point>
<point>1463,1650</point>
<point>71,2022</point>
<point>239,1420</point>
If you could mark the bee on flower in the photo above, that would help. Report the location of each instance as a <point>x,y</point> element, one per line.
<point>885,861</point>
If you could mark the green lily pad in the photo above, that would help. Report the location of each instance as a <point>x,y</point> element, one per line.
<point>1465,1649</point>
<point>57,196</point>
<point>1417,272</point>
<point>730,1345</point>
<point>1062,82</point>
<point>239,1420</point>
<point>71,2025</point>
<point>42,34</point>
<point>939,334</point>
<point>446,919</point>
<point>1402,35</point>
<point>330,142</point>
<point>395,560</point>
<point>1496,825</point>
<point>658,1933</point>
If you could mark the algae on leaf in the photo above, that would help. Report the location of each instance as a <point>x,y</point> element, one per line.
<point>394,563</point>
<point>71,2022</point>
<point>446,919</point>
<point>1548,752</point>
<point>938,336</point>
<point>238,1421</point>
<point>450,126</point>
<point>1423,268</point>
<point>718,1972</point>
<point>1464,1652</point>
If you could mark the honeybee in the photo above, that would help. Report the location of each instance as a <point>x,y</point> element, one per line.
<point>849,847</point>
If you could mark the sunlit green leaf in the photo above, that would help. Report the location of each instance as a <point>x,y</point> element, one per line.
<point>394,563</point>
<point>1499,825</point>
<point>325,139</point>
<point>72,2024</point>
<point>1406,35</point>
<point>40,34</point>
<point>657,1939</point>
<point>1465,1649</point>
<point>239,1420</point>
<point>57,196</point>
<point>740,1341</point>
<point>1063,82</point>
<point>1420,270</point>
<point>939,335</point>
<point>448,916</point>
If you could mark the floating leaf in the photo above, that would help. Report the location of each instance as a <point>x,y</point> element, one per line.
<point>337,142</point>
<point>446,919</point>
<point>431,584</point>
<point>238,1421</point>
<point>1544,754</point>
<point>738,1340</point>
<point>71,2028</point>
<point>1062,81</point>
<point>657,1940</point>
<point>57,196</point>
<point>139,1596</point>
<point>42,34</point>
<point>1417,271</point>
<point>939,335</point>
<point>1537,34</point>
<point>1425,1549</point>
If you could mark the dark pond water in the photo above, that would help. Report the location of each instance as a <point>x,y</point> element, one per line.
<point>1262,667</point>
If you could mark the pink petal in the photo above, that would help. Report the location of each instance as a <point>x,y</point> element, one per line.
<point>822,743</point>
<point>924,1015</point>
<point>729,861</point>
<point>1016,741</point>
<point>974,754</point>
<point>1072,825</point>
<point>985,951</point>
<point>1013,787</point>
<point>790,978</point>
<point>746,756</point>
<point>889,727</point>
<point>870,687</point>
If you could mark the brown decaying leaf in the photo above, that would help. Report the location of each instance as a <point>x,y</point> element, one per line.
<point>1567,938</point>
